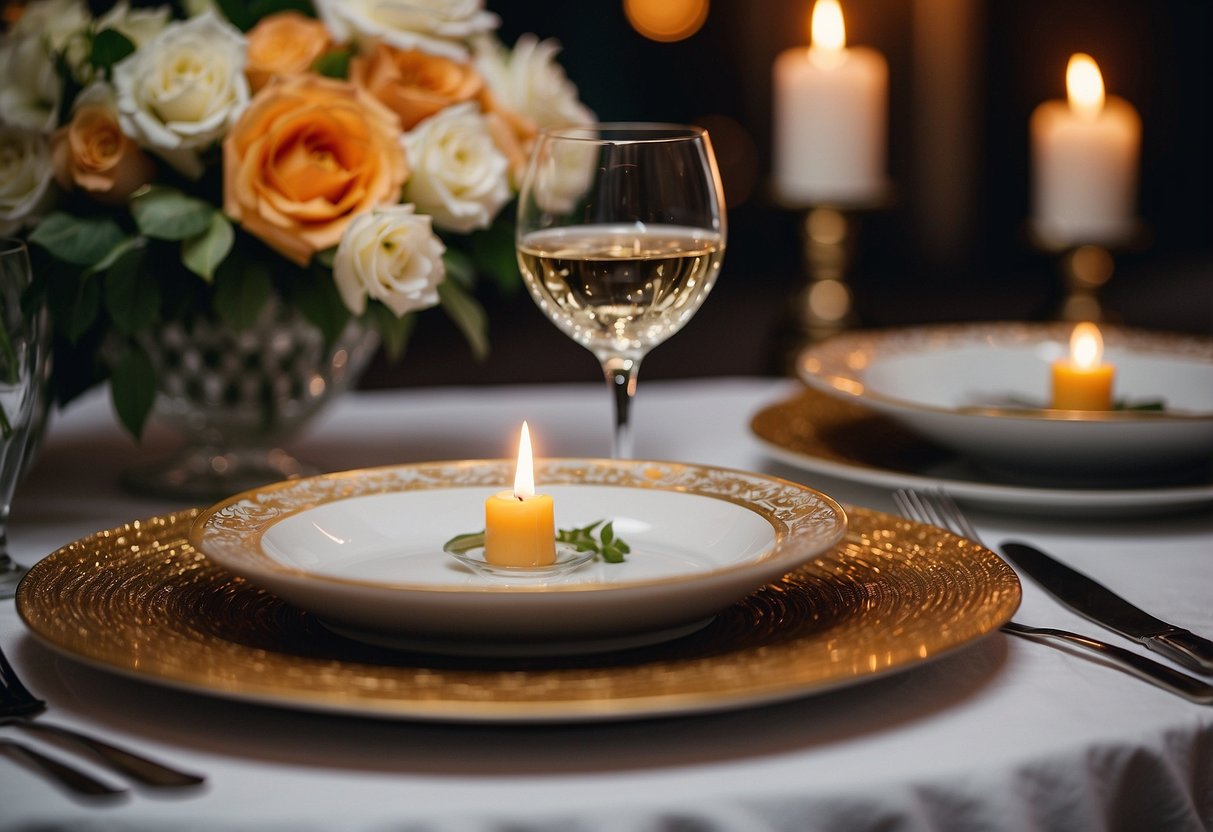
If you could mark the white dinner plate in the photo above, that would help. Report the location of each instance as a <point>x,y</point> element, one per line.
<point>971,387</point>
<point>823,435</point>
<point>363,550</point>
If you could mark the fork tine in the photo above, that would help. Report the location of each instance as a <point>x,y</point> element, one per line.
<point>956,517</point>
<point>15,698</point>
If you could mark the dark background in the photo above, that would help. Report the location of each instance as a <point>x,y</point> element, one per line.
<point>950,245</point>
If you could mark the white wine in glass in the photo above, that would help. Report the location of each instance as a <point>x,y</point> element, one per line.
<point>621,232</point>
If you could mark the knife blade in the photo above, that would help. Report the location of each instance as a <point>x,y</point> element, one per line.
<point>1093,600</point>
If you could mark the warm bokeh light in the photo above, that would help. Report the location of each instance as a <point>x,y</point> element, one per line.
<point>1084,86</point>
<point>524,474</point>
<point>1086,346</point>
<point>666,20</point>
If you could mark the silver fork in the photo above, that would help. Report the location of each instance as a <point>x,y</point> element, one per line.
<point>18,706</point>
<point>938,509</point>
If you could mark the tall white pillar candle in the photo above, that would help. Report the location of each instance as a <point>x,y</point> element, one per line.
<point>1085,158</point>
<point>830,117</point>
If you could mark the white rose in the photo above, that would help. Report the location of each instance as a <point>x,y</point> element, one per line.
<point>30,89</point>
<point>139,25</point>
<point>25,177</point>
<point>391,255</point>
<point>530,82</point>
<point>438,27</point>
<point>183,89</point>
<point>56,21</point>
<point>459,176</point>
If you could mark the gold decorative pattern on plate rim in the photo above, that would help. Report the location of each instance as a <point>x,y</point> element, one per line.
<point>232,529</point>
<point>140,600</point>
<point>839,361</point>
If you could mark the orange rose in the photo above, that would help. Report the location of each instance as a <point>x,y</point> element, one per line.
<point>307,156</point>
<point>415,85</point>
<point>91,152</point>
<point>283,44</point>
<point>513,134</point>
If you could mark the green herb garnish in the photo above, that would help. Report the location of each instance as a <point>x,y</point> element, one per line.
<point>609,547</point>
<point>606,546</point>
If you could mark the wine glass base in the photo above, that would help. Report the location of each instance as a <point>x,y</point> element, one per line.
<point>209,473</point>
<point>10,575</point>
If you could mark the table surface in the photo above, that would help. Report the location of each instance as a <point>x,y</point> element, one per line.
<point>1004,734</point>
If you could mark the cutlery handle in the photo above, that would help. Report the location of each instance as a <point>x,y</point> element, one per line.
<point>141,769</point>
<point>1185,648</point>
<point>65,775</point>
<point>1168,678</point>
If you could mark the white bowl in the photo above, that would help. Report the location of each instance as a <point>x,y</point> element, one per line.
<point>982,389</point>
<point>363,550</point>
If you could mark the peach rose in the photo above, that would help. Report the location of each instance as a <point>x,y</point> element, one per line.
<point>415,85</point>
<point>307,156</point>
<point>92,153</point>
<point>283,44</point>
<point>514,135</point>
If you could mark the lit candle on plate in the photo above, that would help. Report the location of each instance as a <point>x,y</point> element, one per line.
<point>830,116</point>
<point>1082,381</point>
<point>520,525</point>
<point>1085,157</point>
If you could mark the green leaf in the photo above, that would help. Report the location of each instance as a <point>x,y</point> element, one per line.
<point>241,294</point>
<point>317,298</point>
<point>203,253</point>
<point>333,64</point>
<point>168,214</point>
<point>133,389</point>
<point>326,257</point>
<point>132,293</point>
<point>608,533</point>
<point>494,254</point>
<point>468,315</point>
<point>263,8</point>
<point>394,331</point>
<point>461,543</point>
<point>109,47</point>
<point>74,300</point>
<point>82,241</point>
<point>238,12</point>
<point>459,267</point>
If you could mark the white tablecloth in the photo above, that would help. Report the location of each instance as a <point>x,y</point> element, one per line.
<point>1004,734</point>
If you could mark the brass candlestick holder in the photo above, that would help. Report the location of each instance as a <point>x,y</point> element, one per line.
<point>1085,267</point>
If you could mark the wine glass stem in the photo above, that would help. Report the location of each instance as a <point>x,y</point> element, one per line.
<point>621,378</point>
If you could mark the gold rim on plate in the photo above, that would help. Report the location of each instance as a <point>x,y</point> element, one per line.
<point>140,600</point>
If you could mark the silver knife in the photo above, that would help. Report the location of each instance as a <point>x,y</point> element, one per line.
<point>1093,600</point>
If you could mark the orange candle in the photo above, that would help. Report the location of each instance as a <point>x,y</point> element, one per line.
<point>520,525</point>
<point>1082,381</point>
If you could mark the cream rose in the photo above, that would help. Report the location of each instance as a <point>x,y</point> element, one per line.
<point>460,178</point>
<point>137,25</point>
<point>439,27</point>
<point>391,255</point>
<point>55,21</point>
<point>30,89</point>
<point>308,155</point>
<point>25,177</point>
<point>183,89</point>
<point>92,153</point>
<point>529,82</point>
<point>284,44</point>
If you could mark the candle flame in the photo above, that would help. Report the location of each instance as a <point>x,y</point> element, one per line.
<point>1086,346</point>
<point>1084,86</point>
<point>524,474</point>
<point>827,33</point>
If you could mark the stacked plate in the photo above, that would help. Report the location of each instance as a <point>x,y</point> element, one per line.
<point>971,401</point>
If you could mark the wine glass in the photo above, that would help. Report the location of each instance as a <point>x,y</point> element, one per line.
<point>620,236</point>
<point>24,357</point>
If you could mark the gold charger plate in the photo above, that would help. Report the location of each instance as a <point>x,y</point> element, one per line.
<point>141,601</point>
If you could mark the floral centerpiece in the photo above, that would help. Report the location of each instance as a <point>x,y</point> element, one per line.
<point>351,159</point>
